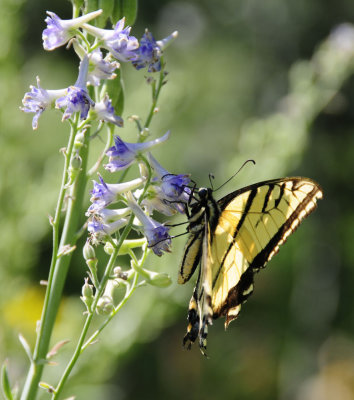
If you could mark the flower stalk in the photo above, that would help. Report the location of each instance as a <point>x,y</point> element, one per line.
<point>114,211</point>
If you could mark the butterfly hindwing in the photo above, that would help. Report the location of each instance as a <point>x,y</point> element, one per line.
<point>243,233</point>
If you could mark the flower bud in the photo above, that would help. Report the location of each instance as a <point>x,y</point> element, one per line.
<point>105,305</point>
<point>79,140</point>
<point>88,251</point>
<point>74,168</point>
<point>161,280</point>
<point>118,273</point>
<point>87,294</point>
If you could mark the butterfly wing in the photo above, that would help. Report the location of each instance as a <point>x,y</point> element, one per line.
<point>253,223</point>
<point>239,237</point>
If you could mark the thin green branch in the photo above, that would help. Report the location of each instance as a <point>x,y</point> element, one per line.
<point>107,274</point>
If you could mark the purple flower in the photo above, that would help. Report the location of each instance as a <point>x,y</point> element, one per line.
<point>155,199</point>
<point>156,234</point>
<point>174,187</point>
<point>77,98</point>
<point>117,41</point>
<point>100,230</point>
<point>150,51</point>
<point>38,100</point>
<point>100,68</point>
<point>60,31</point>
<point>104,193</point>
<point>148,54</point>
<point>108,216</point>
<point>123,154</point>
<point>105,112</point>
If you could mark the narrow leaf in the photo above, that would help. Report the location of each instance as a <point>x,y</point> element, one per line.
<point>91,5</point>
<point>107,6</point>
<point>26,346</point>
<point>5,382</point>
<point>125,8</point>
<point>115,92</point>
<point>129,10</point>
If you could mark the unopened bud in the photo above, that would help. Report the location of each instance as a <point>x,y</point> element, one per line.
<point>74,168</point>
<point>90,258</point>
<point>87,294</point>
<point>88,251</point>
<point>118,273</point>
<point>161,280</point>
<point>145,132</point>
<point>79,140</point>
<point>105,305</point>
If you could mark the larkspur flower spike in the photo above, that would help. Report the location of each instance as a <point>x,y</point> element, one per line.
<point>60,31</point>
<point>156,234</point>
<point>124,154</point>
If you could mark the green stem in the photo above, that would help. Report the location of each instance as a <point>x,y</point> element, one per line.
<point>59,266</point>
<point>110,131</point>
<point>155,96</point>
<point>107,274</point>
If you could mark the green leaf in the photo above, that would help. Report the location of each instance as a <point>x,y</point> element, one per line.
<point>127,9</point>
<point>107,6</point>
<point>115,92</point>
<point>91,5</point>
<point>26,346</point>
<point>5,382</point>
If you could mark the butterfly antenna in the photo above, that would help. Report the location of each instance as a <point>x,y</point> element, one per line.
<point>246,162</point>
<point>211,177</point>
<point>171,237</point>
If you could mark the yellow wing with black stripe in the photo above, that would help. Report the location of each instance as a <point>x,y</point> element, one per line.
<point>235,237</point>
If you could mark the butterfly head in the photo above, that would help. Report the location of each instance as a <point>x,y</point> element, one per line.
<point>204,194</point>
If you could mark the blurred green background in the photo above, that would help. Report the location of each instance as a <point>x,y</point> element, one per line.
<point>269,80</point>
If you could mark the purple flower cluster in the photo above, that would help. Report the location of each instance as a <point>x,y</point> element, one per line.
<point>166,193</point>
<point>93,68</point>
<point>156,188</point>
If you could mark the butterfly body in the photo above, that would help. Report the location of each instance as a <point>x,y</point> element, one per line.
<point>232,239</point>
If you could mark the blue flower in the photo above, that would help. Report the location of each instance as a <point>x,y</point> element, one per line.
<point>155,199</point>
<point>105,112</point>
<point>148,54</point>
<point>174,187</point>
<point>38,100</point>
<point>77,98</point>
<point>150,51</point>
<point>100,230</point>
<point>60,31</point>
<point>123,154</point>
<point>117,41</point>
<point>156,234</point>
<point>100,68</point>
<point>104,193</point>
